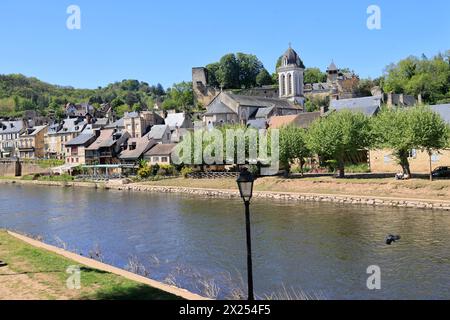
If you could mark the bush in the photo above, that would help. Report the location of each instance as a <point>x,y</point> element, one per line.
<point>166,170</point>
<point>186,171</point>
<point>144,172</point>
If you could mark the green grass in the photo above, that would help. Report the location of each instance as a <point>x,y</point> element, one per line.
<point>95,284</point>
<point>61,178</point>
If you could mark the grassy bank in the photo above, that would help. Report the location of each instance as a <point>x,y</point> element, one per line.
<point>377,187</point>
<point>37,274</point>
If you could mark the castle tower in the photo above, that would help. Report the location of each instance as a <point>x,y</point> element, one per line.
<point>332,73</point>
<point>290,77</point>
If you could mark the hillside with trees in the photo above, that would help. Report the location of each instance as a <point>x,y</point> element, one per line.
<point>19,93</point>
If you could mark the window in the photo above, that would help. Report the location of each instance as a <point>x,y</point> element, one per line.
<point>413,154</point>
<point>155,159</point>
<point>164,159</point>
<point>289,84</point>
<point>283,85</point>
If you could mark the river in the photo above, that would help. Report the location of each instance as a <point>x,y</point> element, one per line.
<point>321,250</point>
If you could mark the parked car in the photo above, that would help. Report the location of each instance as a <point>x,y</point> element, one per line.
<point>441,172</point>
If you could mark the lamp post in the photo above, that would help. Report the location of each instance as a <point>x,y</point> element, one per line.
<point>245,184</point>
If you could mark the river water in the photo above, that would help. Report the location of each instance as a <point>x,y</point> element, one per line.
<point>319,249</point>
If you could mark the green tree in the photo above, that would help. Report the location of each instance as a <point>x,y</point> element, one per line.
<point>392,130</point>
<point>263,78</point>
<point>339,134</point>
<point>249,68</point>
<point>293,147</point>
<point>314,75</point>
<point>228,72</point>
<point>430,131</point>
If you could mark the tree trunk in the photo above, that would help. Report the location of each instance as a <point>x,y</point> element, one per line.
<point>431,165</point>
<point>403,157</point>
<point>341,168</point>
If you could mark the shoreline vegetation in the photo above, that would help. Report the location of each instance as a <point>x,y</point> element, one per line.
<point>415,193</point>
<point>38,271</point>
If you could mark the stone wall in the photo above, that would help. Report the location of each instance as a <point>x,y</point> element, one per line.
<point>9,168</point>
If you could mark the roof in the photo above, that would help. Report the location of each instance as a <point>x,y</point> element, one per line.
<point>11,126</point>
<point>217,107</point>
<point>161,150</point>
<point>443,110</point>
<point>82,139</point>
<point>174,120</point>
<point>264,112</point>
<point>257,123</point>
<point>105,140</point>
<point>118,124</point>
<point>133,114</point>
<point>302,120</point>
<point>292,58</point>
<point>142,144</point>
<point>158,131</point>
<point>72,126</point>
<point>367,105</point>
<point>332,67</point>
<point>34,131</point>
<point>254,101</point>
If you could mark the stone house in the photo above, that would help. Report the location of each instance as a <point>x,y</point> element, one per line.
<point>107,147</point>
<point>10,132</point>
<point>137,124</point>
<point>76,148</point>
<point>160,134</point>
<point>31,143</point>
<point>59,134</point>
<point>160,154</point>
<point>136,148</point>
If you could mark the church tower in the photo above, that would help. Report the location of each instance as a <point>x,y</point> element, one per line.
<point>290,77</point>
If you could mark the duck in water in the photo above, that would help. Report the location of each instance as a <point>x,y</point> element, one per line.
<point>391,238</point>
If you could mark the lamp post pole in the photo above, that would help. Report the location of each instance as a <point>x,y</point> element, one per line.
<point>249,252</point>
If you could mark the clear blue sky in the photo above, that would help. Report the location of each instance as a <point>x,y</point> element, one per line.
<point>160,41</point>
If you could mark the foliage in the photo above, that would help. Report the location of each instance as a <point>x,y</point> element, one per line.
<point>144,172</point>
<point>293,147</point>
<point>414,76</point>
<point>236,71</point>
<point>340,134</point>
<point>180,97</point>
<point>186,171</point>
<point>314,103</point>
<point>263,78</point>
<point>314,75</point>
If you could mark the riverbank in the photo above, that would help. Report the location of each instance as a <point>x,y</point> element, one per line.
<point>37,271</point>
<point>414,193</point>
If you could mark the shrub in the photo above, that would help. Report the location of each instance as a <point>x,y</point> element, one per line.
<point>144,172</point>
<point>186,171</point>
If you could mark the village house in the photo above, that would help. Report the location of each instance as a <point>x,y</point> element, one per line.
<point>76,148</point>
<point>370,106</point>
<point>302,120</point>
<point>160,134</point>
<point>59,134</point>
<point>160,154</point>
<point>382,161</point>
<point>136,148</point>
<point>31,143</point>
<point>79,110</point>
<point>107,147</point>
<point>138,124</point>
<point>9,135</point>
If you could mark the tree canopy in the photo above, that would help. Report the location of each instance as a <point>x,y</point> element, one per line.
<point>414,76</point>
<point>236,71</point>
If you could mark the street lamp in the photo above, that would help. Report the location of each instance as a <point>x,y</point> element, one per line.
<point>245,184</point>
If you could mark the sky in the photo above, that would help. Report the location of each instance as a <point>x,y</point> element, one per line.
<point>160,41</point>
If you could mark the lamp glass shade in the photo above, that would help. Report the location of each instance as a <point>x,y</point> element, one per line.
<point>245,183</point>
